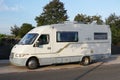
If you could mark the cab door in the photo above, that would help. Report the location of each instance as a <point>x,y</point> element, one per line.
<point>43,44</point>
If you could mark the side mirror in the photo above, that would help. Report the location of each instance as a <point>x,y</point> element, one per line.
<point>36,44</point>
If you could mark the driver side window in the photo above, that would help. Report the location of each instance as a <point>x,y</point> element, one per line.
<point>43,39</point>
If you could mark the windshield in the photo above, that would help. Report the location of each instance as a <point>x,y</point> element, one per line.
<point>28,39</point>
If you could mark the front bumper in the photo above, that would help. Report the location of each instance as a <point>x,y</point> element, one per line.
<point>18,61</point>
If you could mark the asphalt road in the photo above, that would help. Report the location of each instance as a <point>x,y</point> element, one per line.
<point>97,72</point>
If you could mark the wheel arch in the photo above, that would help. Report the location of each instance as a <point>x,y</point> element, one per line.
<point>32,57</point>
<point>87,56</point>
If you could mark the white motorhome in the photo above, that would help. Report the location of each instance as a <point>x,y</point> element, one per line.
<point>62,43</point>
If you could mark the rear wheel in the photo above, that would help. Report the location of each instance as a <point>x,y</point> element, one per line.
<point>86,61</point>
<point>32,63</point>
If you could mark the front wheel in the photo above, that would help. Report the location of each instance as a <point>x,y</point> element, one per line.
<point>86,61</point>
<point>32,63</point>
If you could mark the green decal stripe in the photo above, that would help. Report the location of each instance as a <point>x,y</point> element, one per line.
<point>62,48</point>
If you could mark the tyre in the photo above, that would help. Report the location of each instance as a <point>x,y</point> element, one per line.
<point>32,63</point>
<point>86,61</point>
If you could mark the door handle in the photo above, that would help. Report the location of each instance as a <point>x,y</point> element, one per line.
<point>49,48</point>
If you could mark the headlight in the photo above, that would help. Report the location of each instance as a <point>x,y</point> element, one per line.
<point>11,55</point>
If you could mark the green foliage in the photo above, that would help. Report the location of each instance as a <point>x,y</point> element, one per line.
<point>24,29</point>
<point>111,19</point>
<point>15,30</point>
<point>80,18</point>
<point>88,19</point>
<point>54,12</point>
<point>114,21</point>
<point>98,19</point>
<point>2,36</point>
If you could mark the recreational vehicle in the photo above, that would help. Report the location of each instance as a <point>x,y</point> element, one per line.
<point>62,43</point>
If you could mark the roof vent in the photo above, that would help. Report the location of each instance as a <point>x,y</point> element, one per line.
<point>94,22</point>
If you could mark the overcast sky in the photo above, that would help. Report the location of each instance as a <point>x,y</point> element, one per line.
<point>24,11</point>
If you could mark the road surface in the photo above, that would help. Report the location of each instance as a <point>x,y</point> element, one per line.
<point>104,70</point>
<point>98,72</point>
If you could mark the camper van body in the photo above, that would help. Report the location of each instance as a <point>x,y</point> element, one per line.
<point>63,43</point>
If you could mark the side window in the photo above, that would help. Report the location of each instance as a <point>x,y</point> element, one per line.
<point>43,39</point>
<point>67,36</point>
<point>100,36</point>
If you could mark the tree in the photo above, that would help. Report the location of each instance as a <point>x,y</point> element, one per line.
<point>54,12</point>
<point>2,35</point>
<point>114,21</point>
<point>15,30</point>
<point>88,19</point>
<point>24,29</point>
<point>98,19</point>
<point>80,18</point>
